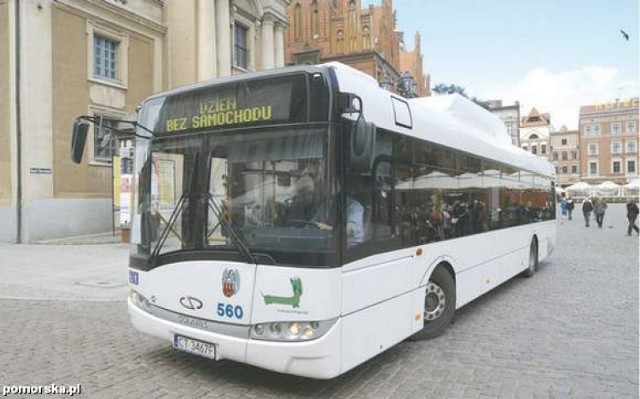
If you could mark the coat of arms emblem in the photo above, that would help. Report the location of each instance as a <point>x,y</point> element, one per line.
<point>230,282</point>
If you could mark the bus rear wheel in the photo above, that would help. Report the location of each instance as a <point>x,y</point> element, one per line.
<point>533,259</point>
<point>439,304</point>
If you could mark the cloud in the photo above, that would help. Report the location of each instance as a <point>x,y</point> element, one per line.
<point>561,94</point>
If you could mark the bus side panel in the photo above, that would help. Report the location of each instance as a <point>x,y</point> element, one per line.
<point>373,330</point>
<point>377,305</point>
<point>484,261</point>
<point>376,279</point>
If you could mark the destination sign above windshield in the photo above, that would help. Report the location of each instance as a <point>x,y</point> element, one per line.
<point>277,100</point>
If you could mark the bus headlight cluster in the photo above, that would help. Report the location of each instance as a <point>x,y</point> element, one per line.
<point>139,300</point>
<point>291,330</point>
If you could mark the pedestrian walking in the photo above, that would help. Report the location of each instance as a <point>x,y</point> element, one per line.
<point>632,215</point>
<point>599,208</point>
<point>563,208</point>
<point>570,206</point>
<point>587,207</point>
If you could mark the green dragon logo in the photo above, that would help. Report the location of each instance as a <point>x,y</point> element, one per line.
<point>294,300</point>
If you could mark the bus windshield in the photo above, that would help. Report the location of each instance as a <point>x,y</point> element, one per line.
<point>255,195</point>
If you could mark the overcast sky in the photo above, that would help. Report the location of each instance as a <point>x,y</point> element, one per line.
<point>555,55</point>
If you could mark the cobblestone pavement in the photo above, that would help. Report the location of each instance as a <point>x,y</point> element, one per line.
<point>570,331</point>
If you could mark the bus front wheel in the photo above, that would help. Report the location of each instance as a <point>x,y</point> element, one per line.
<point>439,304</point>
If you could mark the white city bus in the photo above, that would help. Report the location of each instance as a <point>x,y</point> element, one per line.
<point>303,220</point>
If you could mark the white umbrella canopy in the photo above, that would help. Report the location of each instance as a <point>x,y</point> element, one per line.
<point>608,189</point>
<point>580,189</point>
<point>631,189</point>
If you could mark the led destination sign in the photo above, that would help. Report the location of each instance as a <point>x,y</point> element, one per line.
<point>224,112</point>
<point>278,100</point>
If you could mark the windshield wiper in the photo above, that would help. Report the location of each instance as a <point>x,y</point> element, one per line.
<point>169,226</point>
<point>230,228</point>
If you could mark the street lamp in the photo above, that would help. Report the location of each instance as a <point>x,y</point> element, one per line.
<point>386,83</point>
<point>407,85</point>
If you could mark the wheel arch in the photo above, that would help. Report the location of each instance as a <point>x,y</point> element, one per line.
<point>444,261</point>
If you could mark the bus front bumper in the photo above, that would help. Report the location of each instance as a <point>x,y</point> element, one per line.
<point>319,358</point>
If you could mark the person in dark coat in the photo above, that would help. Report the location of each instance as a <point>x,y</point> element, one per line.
<point>632,215</point>
<point>587,208</point>
<point>599,208</point>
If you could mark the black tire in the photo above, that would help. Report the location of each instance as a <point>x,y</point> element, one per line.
<point>533,259</point>
<point>439,304</point>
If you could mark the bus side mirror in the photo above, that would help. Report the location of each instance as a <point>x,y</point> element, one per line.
<point>362,144</point>
<point>79,137</point>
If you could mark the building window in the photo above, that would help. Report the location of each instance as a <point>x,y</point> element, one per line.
<point>564,141</point>
<point>592,130</point>
<point>297,22</point>
<point>616,148</point>
<point>631,147</point>
<point>616,128</point>
<point>631,127</point>
<point>534,149</point>
<point>366,38</point>
<point>592,149</point>
<point>574,155</point>
<point>314,19</point>
<point>105,53</point>
<point>240,46</point>
<point>104,146</point>
<point>107,56</point>
<point>564,170</point>
<point>631,166</point>
<point>593,168</point>
<point>615,167</point>
<point>555,156</point>
<point>574,169</point>
<point>564,155</point>
<point>543,149</point>
<point>534,137</point>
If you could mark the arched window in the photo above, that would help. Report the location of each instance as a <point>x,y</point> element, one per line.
<point>314,19</point>
<point>534,137</point>
<point>366,37</point>
<point>340,41</point>
<point>297,22</point>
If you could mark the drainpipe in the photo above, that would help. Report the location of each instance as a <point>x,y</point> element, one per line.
<point>18,130</point>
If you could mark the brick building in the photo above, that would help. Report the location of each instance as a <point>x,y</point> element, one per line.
<point>609,142</point>
<point>364,38</point>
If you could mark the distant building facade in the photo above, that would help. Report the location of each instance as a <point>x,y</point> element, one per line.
<point>341,30</point>
<point>510,115</point>
<point>565,156</point>
<point>216,38</point>
<point>63,58</point>
<point>535,131</point>
<point>609,142</point>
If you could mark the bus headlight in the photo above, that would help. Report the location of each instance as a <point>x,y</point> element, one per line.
<point>292,331</point>
<point>140,301</point>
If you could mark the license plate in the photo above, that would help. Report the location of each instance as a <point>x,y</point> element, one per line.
<point>196,347</point>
